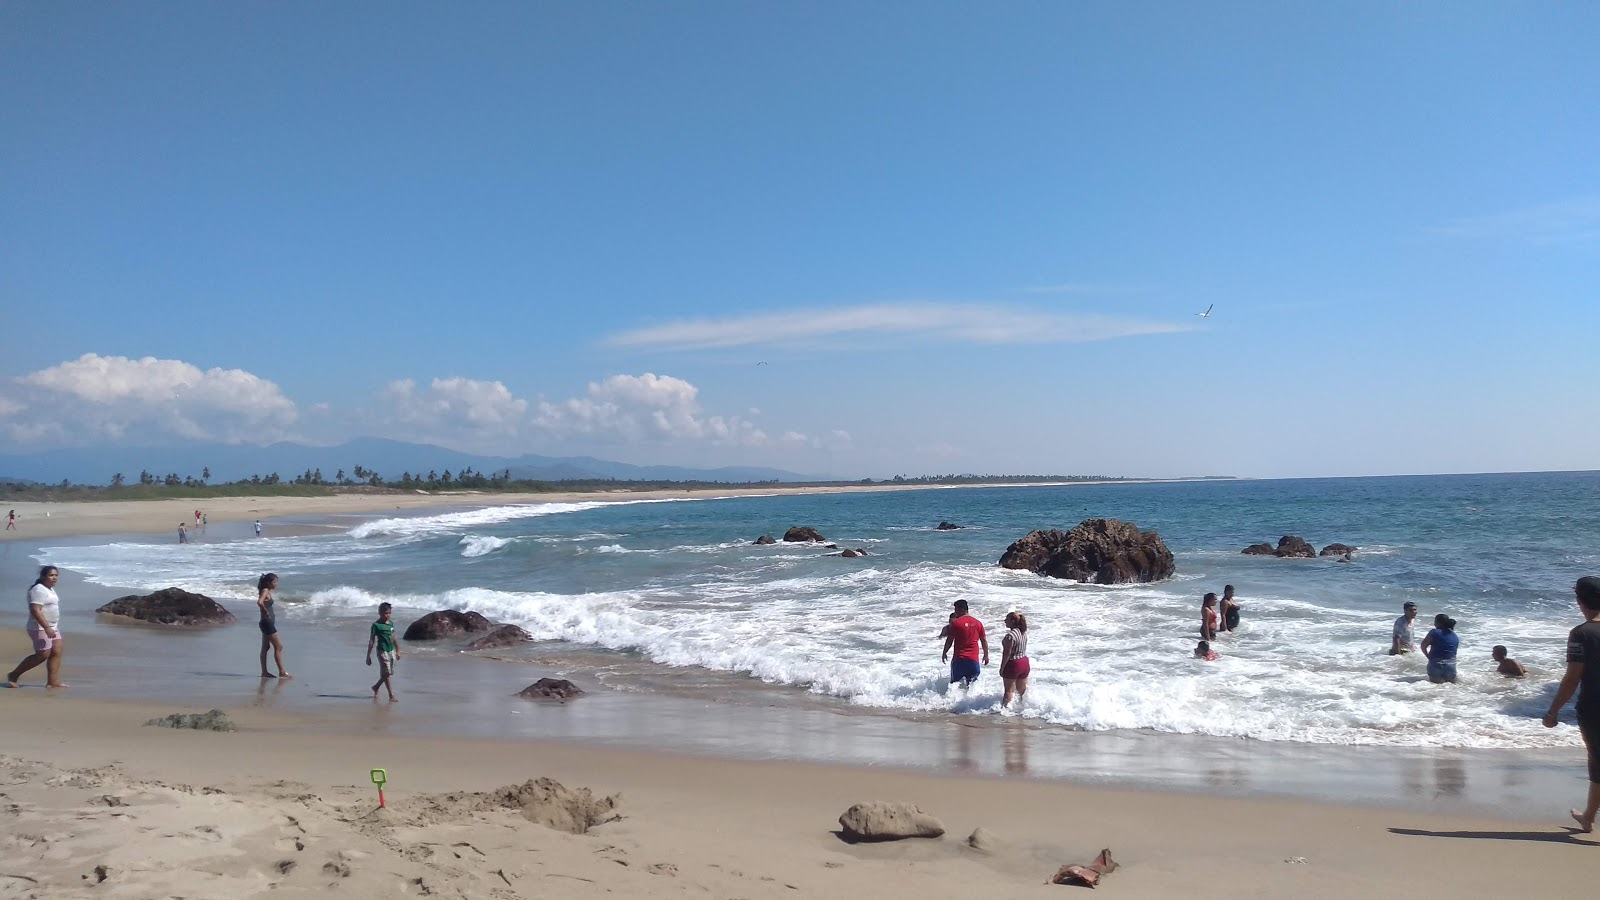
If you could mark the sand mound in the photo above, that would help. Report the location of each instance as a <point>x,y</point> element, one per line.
<point>215,720</point>
<point>546,802</point>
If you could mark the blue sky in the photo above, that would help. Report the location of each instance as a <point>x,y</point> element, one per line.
<point>960,237</point>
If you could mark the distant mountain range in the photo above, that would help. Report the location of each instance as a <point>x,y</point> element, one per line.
<point>96,465</point>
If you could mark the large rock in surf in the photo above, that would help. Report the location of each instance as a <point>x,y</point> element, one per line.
<point>1259,550</point>
<point>169,606</point>
<point>447,623</point>
<point>849,554</point>
<point>501,636</point>
<point>802,533</point>
<point>947,526</point>
<point>1337,550</point>
<point>881,820</point>
<point>1102,551</point>
<point>766,539</point>
<point>551,689</point>
<point>1291,547</point>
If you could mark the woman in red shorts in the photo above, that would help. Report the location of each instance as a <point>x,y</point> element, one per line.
<point>1014,657</point>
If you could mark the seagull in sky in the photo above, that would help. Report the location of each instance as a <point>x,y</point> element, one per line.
<point>762,363</point>
<point>1207,313</point>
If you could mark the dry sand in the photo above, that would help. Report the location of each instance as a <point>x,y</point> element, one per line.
<point>46,520</point>
<point>95,804</point>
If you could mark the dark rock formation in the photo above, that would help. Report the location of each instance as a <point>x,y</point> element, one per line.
<point>830,546</point>
<point>501,636</point>
<point>215,720</point>
<point>1290,546</point>
<point>169,606</point>
<point>551,689</point>
<point>802,533</point>
<point>446,623</point>
<point>947,526</point>
<point>884,821</point>
<point>849,554</point>
<point>766,539</point>
<point>1337,550</point>
<point>1259,550</point>
<point>1102,551</point>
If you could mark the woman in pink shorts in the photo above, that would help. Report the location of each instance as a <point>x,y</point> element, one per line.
<point>1014,657</point>
<point>44,628</point>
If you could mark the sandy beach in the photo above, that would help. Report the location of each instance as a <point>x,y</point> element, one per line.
<point>99,804</point>
<point>91,793</point>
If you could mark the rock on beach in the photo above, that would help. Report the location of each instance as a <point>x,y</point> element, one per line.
<point>501,636</point>
<point>1101,551</point>
<point>169,606</point>
<point>881,820</point>
<point>551,689</point>
<point>446,623</point>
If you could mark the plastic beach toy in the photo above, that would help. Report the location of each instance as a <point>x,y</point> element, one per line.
<point>380,778</point>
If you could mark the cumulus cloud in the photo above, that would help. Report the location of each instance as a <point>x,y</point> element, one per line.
<point>980,323</point>
<point>483,408</point>
<point>98,397</point>
<point>648,407</point>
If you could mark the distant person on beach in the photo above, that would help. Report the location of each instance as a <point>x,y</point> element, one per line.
<point>1229,609</point>
<point>966,637</point>
<point>382,637</point>
<point>1507,666</point>
<point>197,517</point>
<point>44,629</point>
<point>1583,671</point>
<point>1403,636</point>
<point>183,534</point>
<point>1208,618</point>
<point>1014,658</point>
<point>269,626</point>
<point>205,519</point>
<point>1440,649</point>
<point>1203,651</point>
<point>11,521</point>
<point>258,528</point>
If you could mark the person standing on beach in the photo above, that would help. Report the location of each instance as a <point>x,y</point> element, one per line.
<point>1440,648</point>
<point>1229,609</point>
<point>1507,666</point>
<point>1208,618</point>
<point>183,534</point>
<point>1014,658</point>
<point>382,636</point>
<point>11,521</point>
<point>1403,641</point>
<point>269,626</point>
<point>258,528</point>
<point>44,629</point>
<point>966,636</point>
<point>1583,672</point>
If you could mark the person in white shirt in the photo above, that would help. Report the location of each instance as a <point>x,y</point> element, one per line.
<point>44,629</point>
<point>1403,641</point>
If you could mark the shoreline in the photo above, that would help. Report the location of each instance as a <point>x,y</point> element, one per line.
<point>83,518</point>
<point>222,814</point>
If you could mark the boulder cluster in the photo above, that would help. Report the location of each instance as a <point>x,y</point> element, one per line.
<point>1292,547</point>
<point>1097,551</point>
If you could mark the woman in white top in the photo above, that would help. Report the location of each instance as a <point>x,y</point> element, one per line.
<point>1014,657</point>
<point>44,628</point>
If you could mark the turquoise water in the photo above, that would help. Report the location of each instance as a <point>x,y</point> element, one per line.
<point>665,596</point>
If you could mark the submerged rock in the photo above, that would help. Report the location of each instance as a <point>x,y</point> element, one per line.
<point>851,554</point>
<point>215,720</point>
<point>446,623</point>
<point>1102,551</point>
<point>881,820</point>
<point>804,533</point>
<point>1259,550</point>
<point>169,606</point>
<point>501,636</point>
<point>551,689</point>
<point>1337,550</point>
<point>766,539</point>
<point>947,526</point>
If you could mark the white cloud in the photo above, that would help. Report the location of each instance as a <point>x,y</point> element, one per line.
<point>113,397</point>
<point>1566,221</point>
<point>648,407</point>
<point>962,322</point>
<point>482,408</point>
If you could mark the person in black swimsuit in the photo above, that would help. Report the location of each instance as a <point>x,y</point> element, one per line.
<point>1583,671</point>
<point>269,626</point>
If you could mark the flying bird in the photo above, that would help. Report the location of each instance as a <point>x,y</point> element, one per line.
<point>1207,313</point>
<point>762,363</point>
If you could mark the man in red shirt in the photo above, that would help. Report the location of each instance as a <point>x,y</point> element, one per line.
<point>966,636</point>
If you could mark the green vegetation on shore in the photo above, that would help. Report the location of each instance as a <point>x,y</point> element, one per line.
<point>313,483</point>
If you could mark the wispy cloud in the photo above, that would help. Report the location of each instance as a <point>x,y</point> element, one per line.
<point>977,323</point>
<point>1567,221</point>
<point>1085,287</point>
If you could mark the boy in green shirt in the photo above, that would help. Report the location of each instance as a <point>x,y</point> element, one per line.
<point>382,637</point>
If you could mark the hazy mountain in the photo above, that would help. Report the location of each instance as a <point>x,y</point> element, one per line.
<point>96,465</point>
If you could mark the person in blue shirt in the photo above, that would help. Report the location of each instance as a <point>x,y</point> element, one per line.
<point>1440,648</point>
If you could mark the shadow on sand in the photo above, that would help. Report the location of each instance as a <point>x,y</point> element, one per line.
<point>1570,836</point>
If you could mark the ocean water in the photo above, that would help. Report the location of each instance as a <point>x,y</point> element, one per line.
<point>673,595</point>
